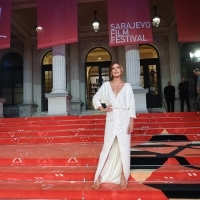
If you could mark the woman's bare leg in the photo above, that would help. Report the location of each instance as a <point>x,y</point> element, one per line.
<point>123,183</point>
<point>97,183</point>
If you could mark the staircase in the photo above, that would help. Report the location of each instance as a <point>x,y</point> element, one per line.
<point>56,158</point>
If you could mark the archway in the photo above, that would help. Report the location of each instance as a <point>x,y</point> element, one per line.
<point>97,65</point>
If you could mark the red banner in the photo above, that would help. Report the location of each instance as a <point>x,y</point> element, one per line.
<point>129,22</point>
<point>58,22</point>
<point>188,20</point>
<point>5,17</point>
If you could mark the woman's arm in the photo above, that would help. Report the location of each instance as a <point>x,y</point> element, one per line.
<point>107,109</point>
<point>131,102</point>
<point>131,125</point>
<point>97,98</point>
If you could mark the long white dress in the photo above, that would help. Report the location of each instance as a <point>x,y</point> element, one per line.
<point>115,154</point>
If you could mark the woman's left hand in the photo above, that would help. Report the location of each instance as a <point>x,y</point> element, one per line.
<point>130,128</point>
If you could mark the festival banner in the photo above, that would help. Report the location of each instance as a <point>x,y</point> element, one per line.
<point>5,20</point>
<point>57,22</point>
<point>129,22</point>
<point>188,20</point>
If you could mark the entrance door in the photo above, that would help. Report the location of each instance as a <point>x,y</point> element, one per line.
<point>96,74</point>
<point>150,78</point>
<point>47,85</point>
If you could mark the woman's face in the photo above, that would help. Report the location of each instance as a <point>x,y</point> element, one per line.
<point>116,70</point>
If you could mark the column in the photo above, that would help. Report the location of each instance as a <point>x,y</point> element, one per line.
<point>133,77</point>
<point>27,108</point>
<point>59,99</point>
<point>133,66</point>
<point>59,69</point>
<point>28,75</point>
<point>75,83</point>
<point>174,65</point>
<point>82,85</point>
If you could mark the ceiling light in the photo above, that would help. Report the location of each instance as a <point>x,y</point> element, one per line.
<point>95,23</point>
<point>156,19</point>
<point>39,30</point>
<point>195,53</point>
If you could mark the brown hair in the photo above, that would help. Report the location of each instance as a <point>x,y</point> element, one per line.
<point>110,69</point>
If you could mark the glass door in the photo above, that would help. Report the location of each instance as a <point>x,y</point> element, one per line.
<point>150,78</point>
<point>96,74</point>
<point>47,84</point>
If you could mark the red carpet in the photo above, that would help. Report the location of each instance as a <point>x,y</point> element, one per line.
<point>56,158</point>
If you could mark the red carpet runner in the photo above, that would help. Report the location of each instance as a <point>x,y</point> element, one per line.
<point>56,158</point>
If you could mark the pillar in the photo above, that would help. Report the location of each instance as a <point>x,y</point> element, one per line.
<point>27,108</point>
<point>122,60</point>
<point>82,85</point>
<point>59,99</point>
<point>59,69</point>
<point>75,83</point>
<point>133,66</point>
<point>133,77</point>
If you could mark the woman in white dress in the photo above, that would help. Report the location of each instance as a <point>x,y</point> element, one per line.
<point>114,161</point>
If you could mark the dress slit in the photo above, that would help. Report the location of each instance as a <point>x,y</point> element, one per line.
<point>112,169</point>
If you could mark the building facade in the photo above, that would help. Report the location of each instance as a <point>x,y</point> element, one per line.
<point>63,79</point>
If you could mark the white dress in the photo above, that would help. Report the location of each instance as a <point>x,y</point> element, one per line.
<point>115,154</point>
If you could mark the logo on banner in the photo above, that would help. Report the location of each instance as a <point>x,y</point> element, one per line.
<point>124,32</point>
<point>2,36</point>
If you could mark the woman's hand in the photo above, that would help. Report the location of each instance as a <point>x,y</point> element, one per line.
<point>107,109</point>
<point>131,126</point>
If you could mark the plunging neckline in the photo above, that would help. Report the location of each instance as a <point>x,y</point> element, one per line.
<point>118,92</point>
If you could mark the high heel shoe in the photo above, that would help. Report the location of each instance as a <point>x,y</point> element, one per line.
<point>96,185</point>
<point>123,184</point>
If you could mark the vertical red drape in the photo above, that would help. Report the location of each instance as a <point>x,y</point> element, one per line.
<point>188,20</point>
<point>129,22</point>
<point>5,17</point>
<point>58,19</point>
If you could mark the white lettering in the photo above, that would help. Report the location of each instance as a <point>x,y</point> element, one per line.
<point>112,32</point>
<point>123,25</point>
<point>112,39</point>
<point>134,37</point>
<point>148,25</point>
<point>139,38</point>
<point>118,26</point>
<point>118,40</point>
<point>128,38</point>
<point>112,26</point>
<point>123,39</point>
<point>118,33</point>
<point>138,24</point>
<point>125,32</point>
<point>129,25</point>
<point>121,32</point>
<point>143,38</point>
